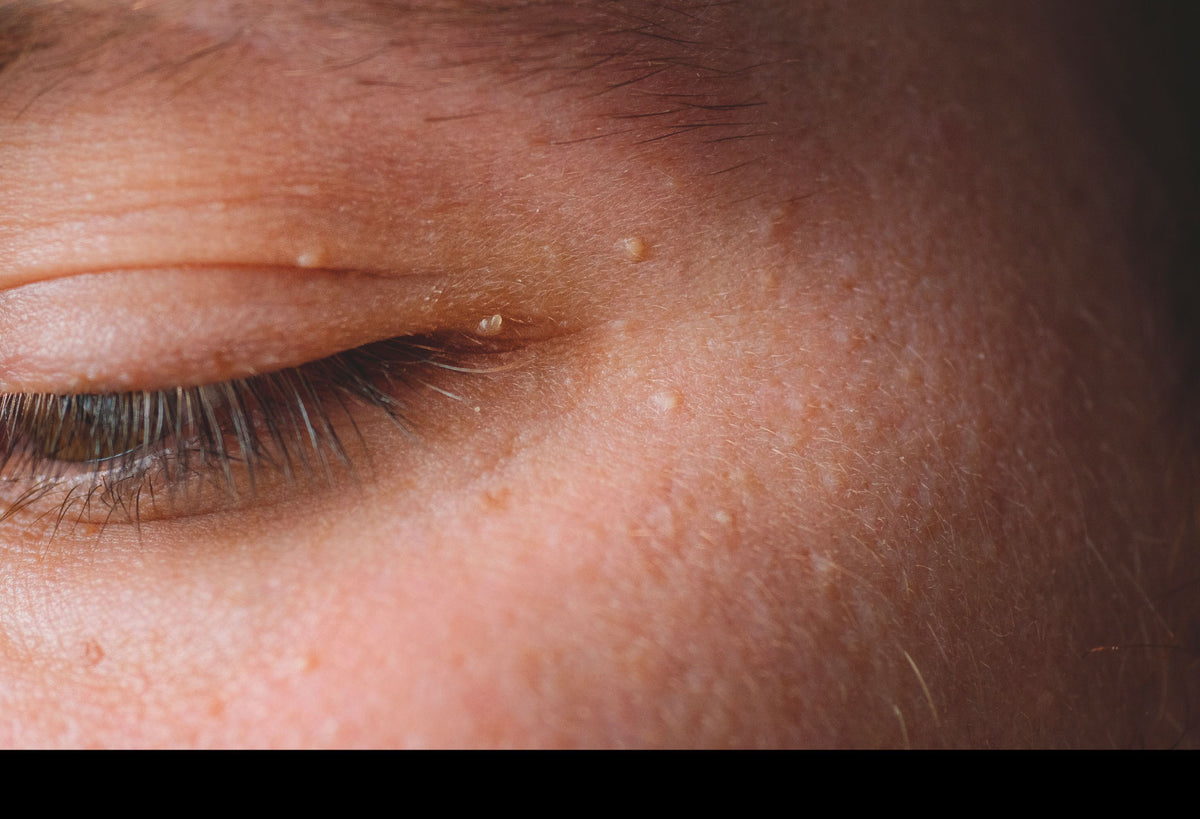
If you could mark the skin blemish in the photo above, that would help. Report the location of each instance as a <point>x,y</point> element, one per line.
<point>310,258</point>
<point>92,654</point>
<point>666,400</point>
<point>634,248</point>
<point>489,326</point>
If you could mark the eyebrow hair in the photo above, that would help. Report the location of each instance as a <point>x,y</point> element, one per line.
<point>652,70</point>
<point>22,31</point>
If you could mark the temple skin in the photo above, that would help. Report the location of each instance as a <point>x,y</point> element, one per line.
<point>845,417</point>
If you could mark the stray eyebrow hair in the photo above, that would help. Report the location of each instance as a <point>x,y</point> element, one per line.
<point>652,70</point>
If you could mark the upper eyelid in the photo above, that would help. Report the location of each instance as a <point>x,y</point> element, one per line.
<point>414,164</point>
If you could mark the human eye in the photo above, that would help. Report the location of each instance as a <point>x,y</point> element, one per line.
<point>136,456</point>
<point>269,319</point>
<point>136,397</point>
<point>335,338</point>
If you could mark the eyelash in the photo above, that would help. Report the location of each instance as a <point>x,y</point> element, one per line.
<point>111,453</point>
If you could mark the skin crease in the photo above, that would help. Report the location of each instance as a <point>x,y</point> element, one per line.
<point>865,446</point>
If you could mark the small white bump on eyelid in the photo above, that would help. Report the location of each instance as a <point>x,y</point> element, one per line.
<point>490,325</point>
<point>310,258</point>
<point>634,248</point>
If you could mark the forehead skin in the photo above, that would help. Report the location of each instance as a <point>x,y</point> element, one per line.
<point>864,448</point>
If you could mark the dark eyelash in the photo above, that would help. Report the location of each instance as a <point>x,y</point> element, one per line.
<point>113,448</point>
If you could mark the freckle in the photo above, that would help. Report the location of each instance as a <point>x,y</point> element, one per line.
<point>634,248</point>
<point>666,400</point>
<point>490,325</point>
<point>497,500</point>
<point>92,654</point>
<point>311,258</point>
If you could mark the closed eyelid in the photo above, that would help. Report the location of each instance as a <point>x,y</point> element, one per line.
<point>155,329</point>
<point>151,329</point>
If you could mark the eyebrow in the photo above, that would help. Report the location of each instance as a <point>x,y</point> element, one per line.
<point>653,71</point>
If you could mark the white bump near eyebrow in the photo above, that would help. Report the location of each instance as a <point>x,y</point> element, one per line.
<point>666,400</point>
<point>634,248</point>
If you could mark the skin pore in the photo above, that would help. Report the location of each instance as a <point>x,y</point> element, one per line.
<point>829,406</point>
